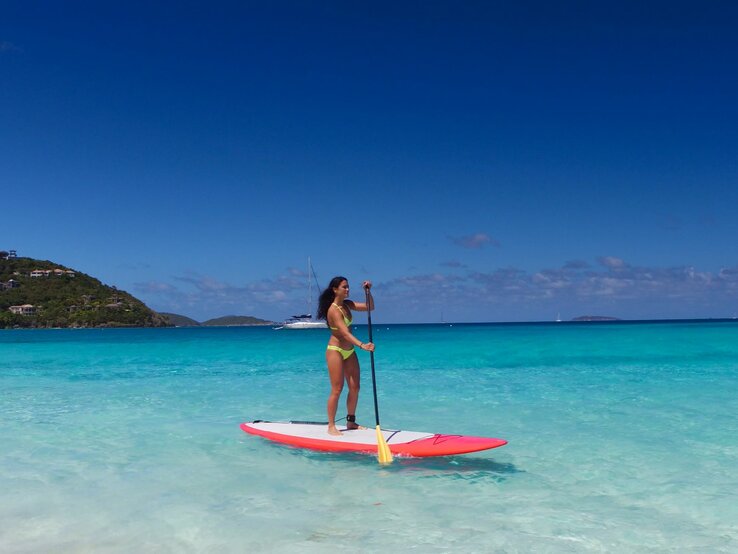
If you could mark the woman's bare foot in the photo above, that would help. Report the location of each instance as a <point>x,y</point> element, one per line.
<point>352,426</point>
<point>332,430</point>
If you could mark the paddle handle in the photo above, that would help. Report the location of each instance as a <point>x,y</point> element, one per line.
<point>371,355</point>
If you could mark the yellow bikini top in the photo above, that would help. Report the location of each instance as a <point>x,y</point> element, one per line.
<point>346,320</point>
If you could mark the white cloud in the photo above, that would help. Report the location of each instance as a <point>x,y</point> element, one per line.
<point>154,287</point>
<point>203,296</point>
<point>576,264</point>
<point>452,263</point>
<point>6,46</point>
<point>617,282</point>
<point>612,286</point>
<point>612,262</point>
<point>475,241</point>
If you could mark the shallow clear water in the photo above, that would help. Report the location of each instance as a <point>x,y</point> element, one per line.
<point>622,437</point>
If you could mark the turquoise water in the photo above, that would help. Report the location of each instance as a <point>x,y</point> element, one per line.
<point>622,438</point>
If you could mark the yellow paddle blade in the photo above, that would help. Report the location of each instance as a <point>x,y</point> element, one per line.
<point>383,451</point>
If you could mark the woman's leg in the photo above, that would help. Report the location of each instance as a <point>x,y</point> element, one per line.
<point>353,380</point>
<point>335,373</point>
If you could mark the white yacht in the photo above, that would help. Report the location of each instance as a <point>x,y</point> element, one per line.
<point>306,321</point>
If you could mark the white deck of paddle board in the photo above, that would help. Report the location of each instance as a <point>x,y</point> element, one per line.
<point>357,436</point>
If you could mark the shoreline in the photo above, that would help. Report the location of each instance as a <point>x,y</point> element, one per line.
<point>429,324</point>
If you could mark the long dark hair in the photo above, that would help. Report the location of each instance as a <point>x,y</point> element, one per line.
<point>328,296</point>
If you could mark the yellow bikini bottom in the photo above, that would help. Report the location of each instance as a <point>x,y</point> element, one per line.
<point>345,354</point>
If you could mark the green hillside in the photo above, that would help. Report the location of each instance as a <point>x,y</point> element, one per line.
<point>230,320</point>
<point>235,320</point>
<point>66,298</point>
<point>180,320</point>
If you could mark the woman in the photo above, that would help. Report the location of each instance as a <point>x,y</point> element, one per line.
<point>335,307</point>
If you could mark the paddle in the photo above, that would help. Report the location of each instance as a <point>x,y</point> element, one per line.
<point>383,451</point>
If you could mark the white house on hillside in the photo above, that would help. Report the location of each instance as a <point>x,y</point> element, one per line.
<point>25,309</point>
<point>47,272</point>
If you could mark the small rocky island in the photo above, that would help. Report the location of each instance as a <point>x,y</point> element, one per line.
<point>226,321</point>
<point>595,318</point>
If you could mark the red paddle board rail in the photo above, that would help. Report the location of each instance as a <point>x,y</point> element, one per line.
<point>428,445</point>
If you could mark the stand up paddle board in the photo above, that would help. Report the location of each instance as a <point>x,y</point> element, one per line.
<point>314,435</point>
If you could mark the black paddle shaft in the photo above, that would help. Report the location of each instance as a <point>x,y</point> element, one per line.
<point>371,355</point>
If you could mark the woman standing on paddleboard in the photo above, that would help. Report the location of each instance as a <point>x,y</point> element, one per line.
<point>343,364</point>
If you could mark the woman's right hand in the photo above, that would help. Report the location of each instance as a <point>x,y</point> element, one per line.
<point>368,346</point>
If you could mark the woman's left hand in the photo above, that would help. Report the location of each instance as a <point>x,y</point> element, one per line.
<point>367,285</point>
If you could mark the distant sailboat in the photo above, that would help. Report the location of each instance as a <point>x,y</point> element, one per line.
<point>558,317</point>
<point>443,321</point>
<point>306,320</point>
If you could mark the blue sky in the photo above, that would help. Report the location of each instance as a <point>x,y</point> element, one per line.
<point>484,161</point>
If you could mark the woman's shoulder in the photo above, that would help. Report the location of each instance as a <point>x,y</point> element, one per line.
<point>349,304</point>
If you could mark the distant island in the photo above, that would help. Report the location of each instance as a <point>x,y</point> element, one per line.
<point>226,321</point>
<point>40,293</point>
<point>180,320</point>
<point>595,318</point>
